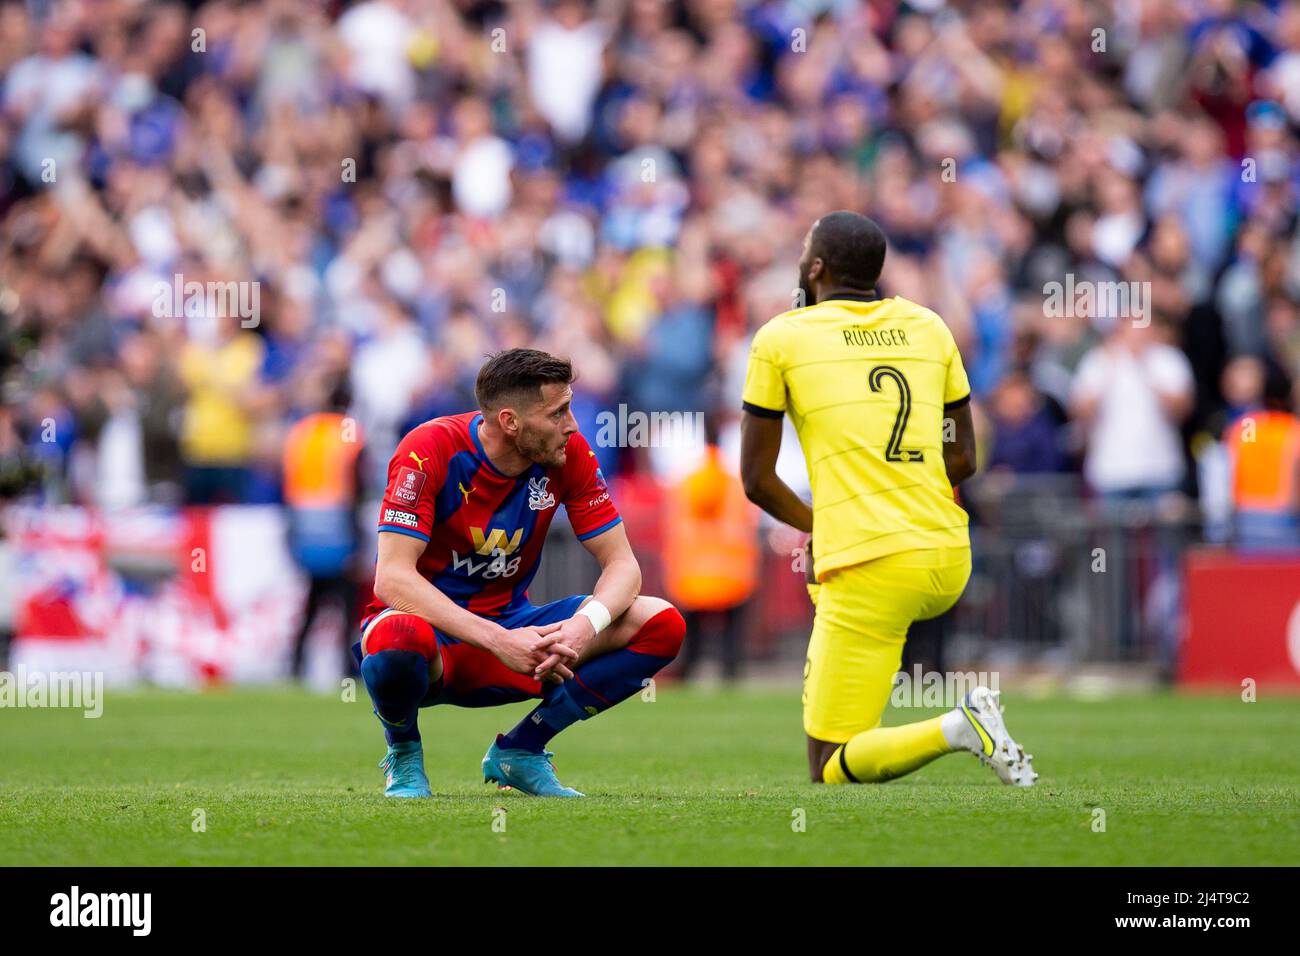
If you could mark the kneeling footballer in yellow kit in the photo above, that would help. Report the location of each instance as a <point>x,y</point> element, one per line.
<point>870,386</point>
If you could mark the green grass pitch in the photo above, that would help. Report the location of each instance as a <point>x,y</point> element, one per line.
<point>693,777</point>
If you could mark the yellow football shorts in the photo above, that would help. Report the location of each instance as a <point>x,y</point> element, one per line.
<point>861,621</point>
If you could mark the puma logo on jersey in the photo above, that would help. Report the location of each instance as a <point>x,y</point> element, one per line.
<point>465,492</point>
<point>418,460</point>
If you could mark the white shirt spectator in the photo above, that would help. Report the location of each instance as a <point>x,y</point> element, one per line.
<point>1115,236</point>
<point>38,91</point>
<point>564,71</point>
<point>387,372</point>
<point>120,482</point>
<point>378,35</point>
<point>1133,443</point>
<point>480,182</point>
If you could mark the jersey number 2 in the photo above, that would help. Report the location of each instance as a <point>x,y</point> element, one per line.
<point>894,451</point>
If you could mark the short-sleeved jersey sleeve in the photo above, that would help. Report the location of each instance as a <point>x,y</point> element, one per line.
<point>764,379</point>
<point>956,386</point>
<point>415,473</point>
<point>586,496</point>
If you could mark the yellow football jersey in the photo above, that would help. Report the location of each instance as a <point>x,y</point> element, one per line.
<point>866,383</point>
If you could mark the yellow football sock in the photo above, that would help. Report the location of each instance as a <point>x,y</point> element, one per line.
<point>884,753</point>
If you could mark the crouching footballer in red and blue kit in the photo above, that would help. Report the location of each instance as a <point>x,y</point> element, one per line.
<point>465,514</point>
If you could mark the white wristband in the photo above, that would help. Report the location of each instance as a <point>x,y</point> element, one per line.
<point>597,614</point>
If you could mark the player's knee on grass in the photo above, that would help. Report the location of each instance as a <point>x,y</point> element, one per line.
<point>819,751</point>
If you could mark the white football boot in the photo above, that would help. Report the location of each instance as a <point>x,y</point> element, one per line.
<point>996,748</point>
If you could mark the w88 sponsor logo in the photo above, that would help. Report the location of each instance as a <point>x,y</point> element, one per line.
<point>495,547</point>
<point>496,565</point>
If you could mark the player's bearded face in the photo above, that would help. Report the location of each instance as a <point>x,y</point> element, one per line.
<point>542,445</point>
<point>544,433</point>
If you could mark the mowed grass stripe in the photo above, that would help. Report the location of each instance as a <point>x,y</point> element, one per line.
<point>288,777</point>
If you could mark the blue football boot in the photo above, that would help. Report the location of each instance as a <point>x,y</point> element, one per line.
<point>403,768</point>
<point>528,772</point>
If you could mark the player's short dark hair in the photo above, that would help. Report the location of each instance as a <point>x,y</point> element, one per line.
<point>852,248</point>
<point>516,376</point>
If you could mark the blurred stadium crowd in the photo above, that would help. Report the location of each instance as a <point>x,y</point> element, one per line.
<point>412,184</point>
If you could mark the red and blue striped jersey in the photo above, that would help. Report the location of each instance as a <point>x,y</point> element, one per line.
<point>485,530</point>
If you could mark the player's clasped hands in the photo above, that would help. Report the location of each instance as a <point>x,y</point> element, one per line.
<point>538,651</point>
